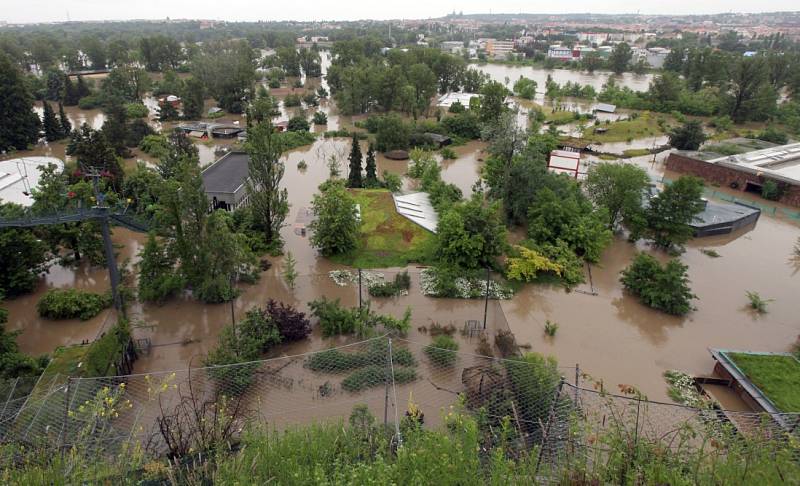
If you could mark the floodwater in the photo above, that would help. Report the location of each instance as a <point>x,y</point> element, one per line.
<point>610,335</point>
<point>499,73</point>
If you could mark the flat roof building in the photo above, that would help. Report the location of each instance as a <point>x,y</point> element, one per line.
<point>747,171</point>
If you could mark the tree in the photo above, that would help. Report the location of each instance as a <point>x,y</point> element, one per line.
<point>392,134</point>
<point>227,70</point>
<point>664,288</point>
<point>92,150</point>
<point>19,124</point>
<point>689,136</point>
<point>620,57</point>
<point>619,188</point>
<point>423,80</point>
<point>568,217</point>
<point>52,128</point>
<point>525,88</point>
<point>493,95</point>
<point>591,62</point>
<point>354,176</point>
<point>193,99</point>
<point>70,94</point>
<point>23,256</point>
<point>265,172</point>
<point>66,126</point>
<point>157,277</point>
<point>289,270</point>
<point>669,213</point>
<point>335,229</point>
<point>115,127</point>
<point>470,234</point>
<point>298,123</point>
<point>167,112</point>
<point>371,168</point>
<point>748,77</point>
<point>180,151</point>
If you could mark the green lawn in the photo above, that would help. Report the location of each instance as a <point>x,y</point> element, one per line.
<point>387,239</point>
<point>777,376</point>
<point>645,125</point>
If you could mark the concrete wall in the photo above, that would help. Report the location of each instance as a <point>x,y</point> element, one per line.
<point>725,176</point>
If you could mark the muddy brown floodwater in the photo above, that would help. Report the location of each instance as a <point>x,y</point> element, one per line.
<point>611,335</point>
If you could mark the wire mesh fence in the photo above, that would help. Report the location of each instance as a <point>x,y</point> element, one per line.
<point>396,379</point>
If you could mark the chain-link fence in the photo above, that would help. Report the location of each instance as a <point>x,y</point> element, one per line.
<point>396,379</point>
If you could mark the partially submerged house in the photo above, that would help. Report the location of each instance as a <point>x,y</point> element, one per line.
<point>225,180</point>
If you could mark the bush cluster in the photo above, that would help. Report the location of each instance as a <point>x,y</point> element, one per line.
<point>442,351</point>
<point>71,304</point>
<point>401,282</point>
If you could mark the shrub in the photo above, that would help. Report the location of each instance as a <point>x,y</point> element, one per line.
<point>292,325</point>
<point>293,140</point>
<point>443,350</point>
<point>320,118</point>
<point>376,375</point>
<point>292,100</point>
<point>757,303</point>
<point>771,134</point>
<point>337,361</point>
<point>392,182</point>
<point>463,125</point>
<point>71,304</point>
<point>302,165</point>
<point>107,350</point>
<point>91,102</point>
<point>298,124</point>
<point>437,329</point>
<point>448,153</point>
<point>506,343</point>
<point>456,107</point>
<point>664,288</point>
<point>402,281</point>
<point>274,83</point>
<point>550,328</point>
<point>136,110</point>
<point>335,319</point>
<point>771,190</point>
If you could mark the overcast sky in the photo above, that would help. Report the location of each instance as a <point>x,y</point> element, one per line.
<point>59,10</point>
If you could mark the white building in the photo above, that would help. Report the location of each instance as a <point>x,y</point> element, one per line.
<point>447,99</point>
<point>19,176</point>
<point>559,52</point>
<point>453,47</point>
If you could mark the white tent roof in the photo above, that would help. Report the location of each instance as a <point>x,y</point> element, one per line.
<point>417,207</point>
<point>19,176</point>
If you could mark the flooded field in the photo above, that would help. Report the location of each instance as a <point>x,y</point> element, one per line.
<point>611,335</point>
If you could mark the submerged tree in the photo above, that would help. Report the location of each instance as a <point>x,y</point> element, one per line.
<point>52,128</point>
<point>665,288</point>
<point>354,176</point>
<point>157,277</point>
<point>66,126</point>
<point>19,125</point>
<point>371,168</point>
<point>268,201</point>
<point>620,189</point>
<point>335,228</point>
<point>669,213</point>
<point>689,136</point>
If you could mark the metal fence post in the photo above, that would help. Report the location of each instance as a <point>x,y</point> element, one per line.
<point>545,436</point>
<point>387,374</point>
<point>66,412</point>
<point>577,384</point>
<point>359,289</point>
<point>636,432</point>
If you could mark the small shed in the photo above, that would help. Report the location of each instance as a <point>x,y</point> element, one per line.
<point>564,162</point>
<point>214,110</point>
<point>397,154</point>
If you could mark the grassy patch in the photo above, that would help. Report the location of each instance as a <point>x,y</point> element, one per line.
<point>65,361</point>
<point>777,376</point>
<point>645,125</point>
<point>387,239</point>
<point>560,117</point>
<point>636,152</point>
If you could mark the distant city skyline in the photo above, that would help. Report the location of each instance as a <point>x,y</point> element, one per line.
<point>240,10</point>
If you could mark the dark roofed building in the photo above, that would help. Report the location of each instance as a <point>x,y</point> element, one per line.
<point>224,181</point>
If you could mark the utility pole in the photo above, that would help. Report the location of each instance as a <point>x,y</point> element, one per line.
<point>486,300</point>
